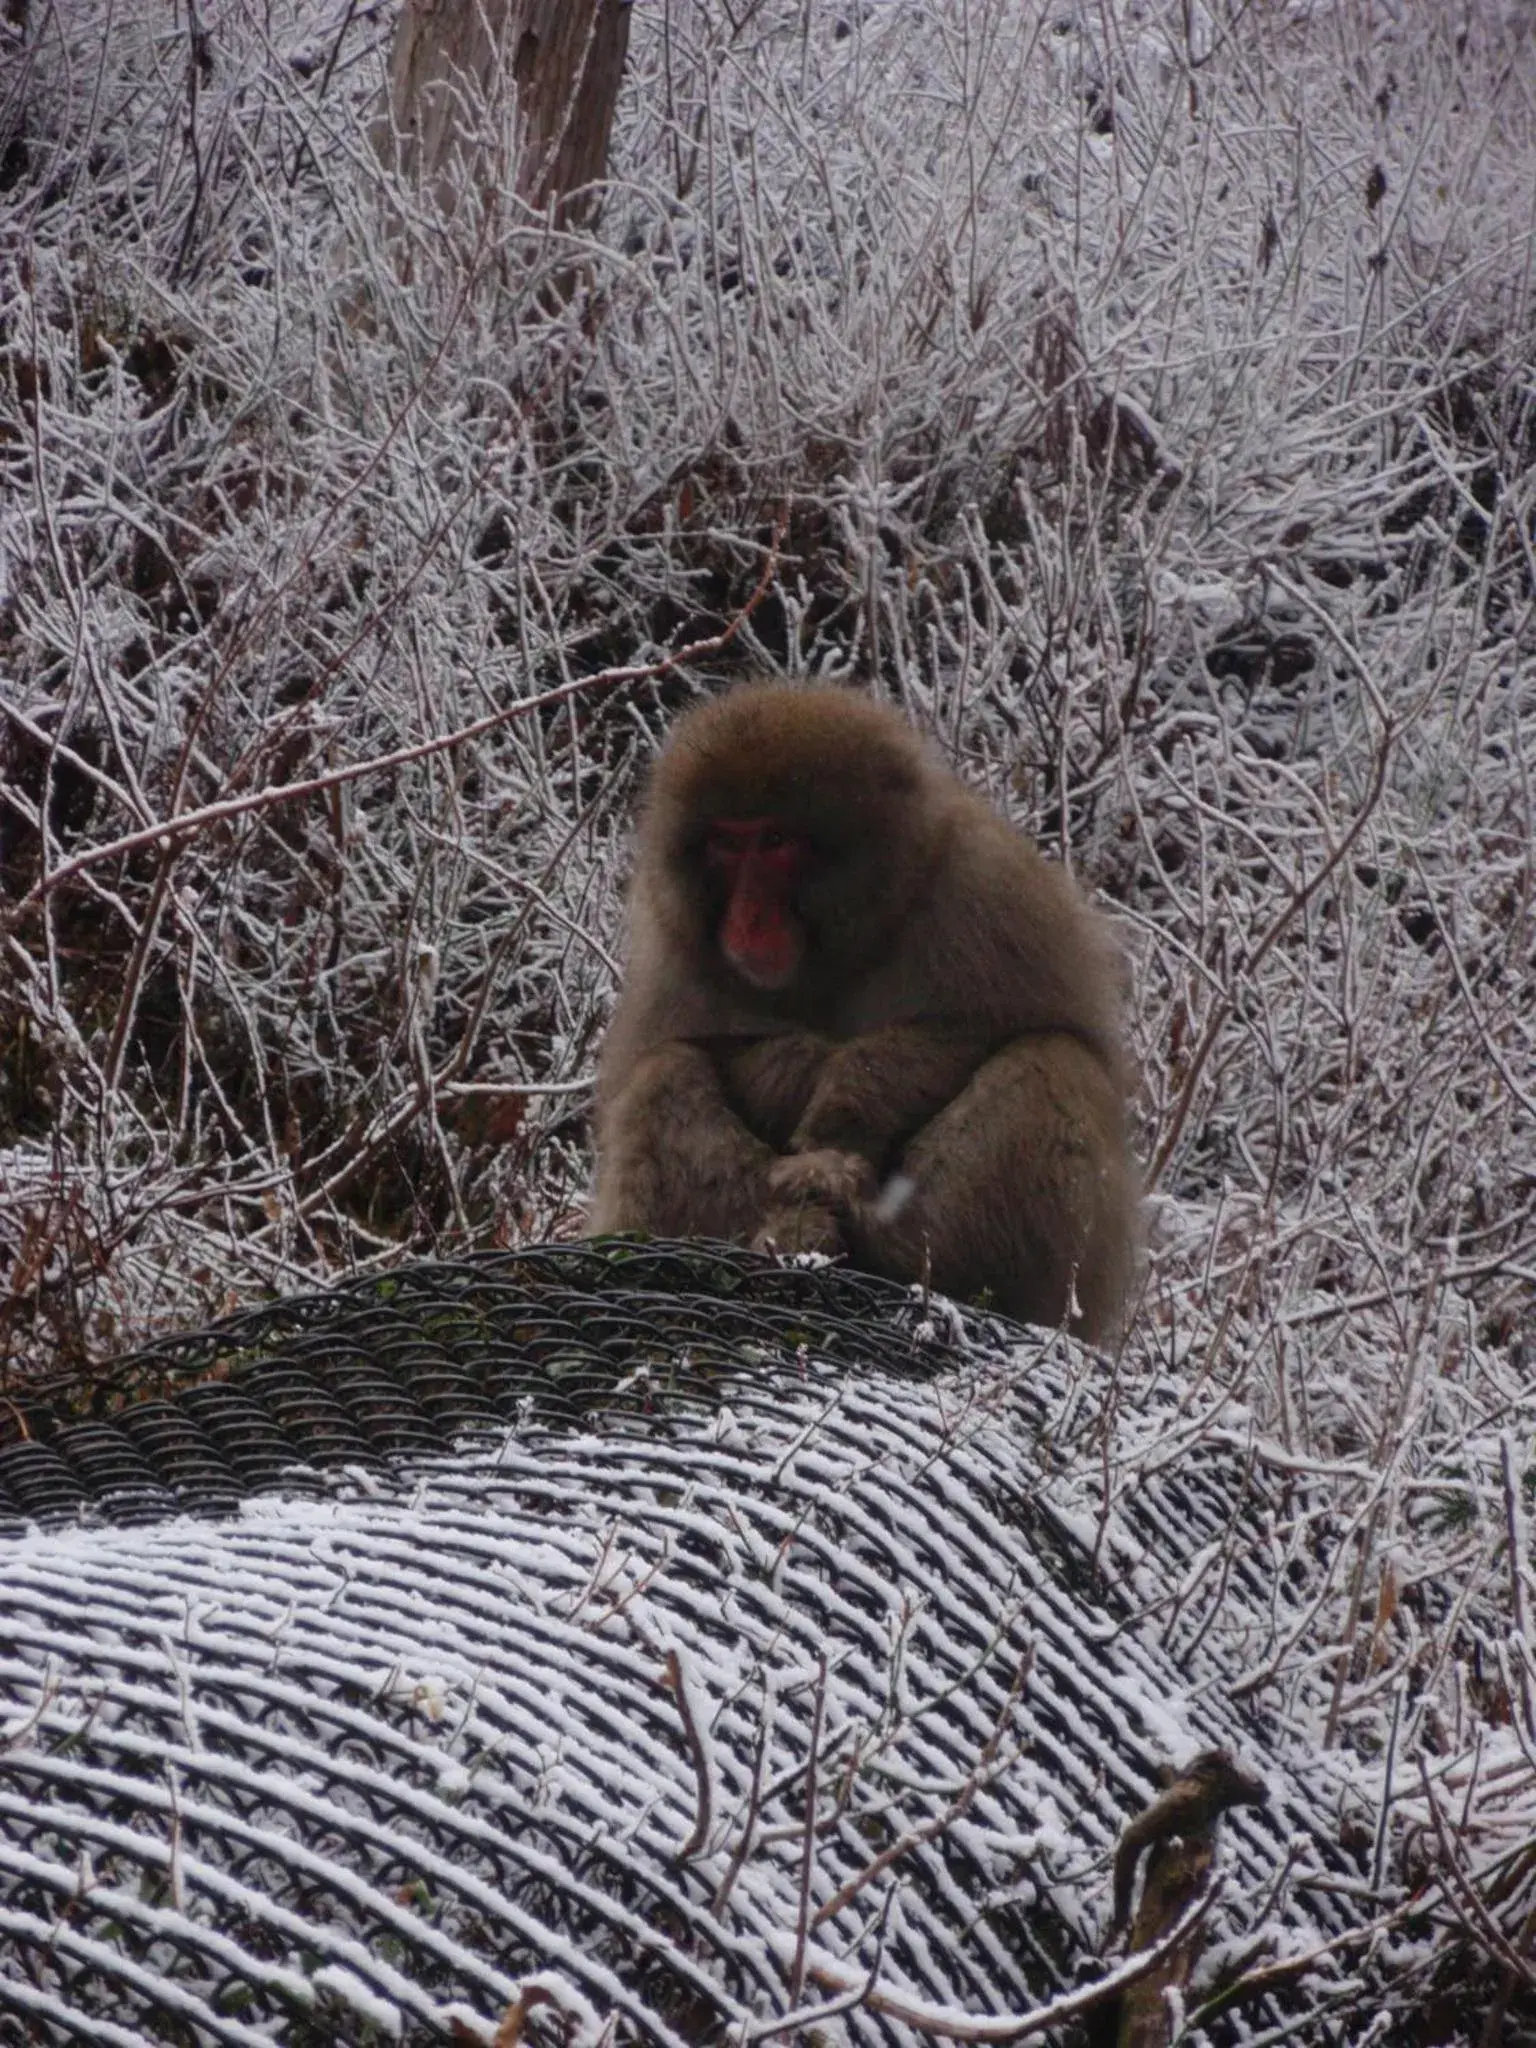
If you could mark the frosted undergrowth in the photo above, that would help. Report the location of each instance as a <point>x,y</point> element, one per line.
<point>1144,395</point>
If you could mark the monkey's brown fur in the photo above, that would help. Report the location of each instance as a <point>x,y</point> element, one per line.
<point>939,1092</point>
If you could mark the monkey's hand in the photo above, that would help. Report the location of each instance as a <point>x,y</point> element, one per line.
<point>811,1198</point>
<point>806,1228</point>
<point>838,1180</point>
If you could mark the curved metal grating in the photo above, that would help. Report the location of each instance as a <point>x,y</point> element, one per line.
<point>533,1604</point>
<point>396,1366</point>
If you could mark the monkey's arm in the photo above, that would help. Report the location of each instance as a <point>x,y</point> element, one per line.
<point>1019,1189</point>
<point>673,1157</point>
<point>768,1082</point>
<point>872,1093</point>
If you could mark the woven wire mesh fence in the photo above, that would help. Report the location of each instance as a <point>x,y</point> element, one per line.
<point>391,1368</point>
<point>660,1635</point>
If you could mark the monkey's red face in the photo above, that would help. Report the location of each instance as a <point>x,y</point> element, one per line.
<point>756,862</point>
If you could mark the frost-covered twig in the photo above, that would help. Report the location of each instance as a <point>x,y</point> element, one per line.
<point>163,835</point>
<point>947,2024</point>
<point>678,1685</point>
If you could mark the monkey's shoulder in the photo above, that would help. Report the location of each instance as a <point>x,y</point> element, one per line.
<point>992,878</point>
<point>1003,935</point>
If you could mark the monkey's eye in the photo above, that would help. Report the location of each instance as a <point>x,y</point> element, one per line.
<point>735,843</point>
<point>723,847</point>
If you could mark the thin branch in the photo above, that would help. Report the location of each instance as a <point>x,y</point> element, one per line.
<point>188,823</point>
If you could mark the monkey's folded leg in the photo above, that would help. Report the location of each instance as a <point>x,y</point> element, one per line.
<point>1019,1190</point>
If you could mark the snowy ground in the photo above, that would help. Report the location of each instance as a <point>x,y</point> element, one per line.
<point>1145,393</point>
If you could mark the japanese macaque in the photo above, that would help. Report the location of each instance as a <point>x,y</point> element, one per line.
<point>863,1016</point>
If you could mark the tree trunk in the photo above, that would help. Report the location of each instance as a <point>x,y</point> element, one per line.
<point>565,61</point>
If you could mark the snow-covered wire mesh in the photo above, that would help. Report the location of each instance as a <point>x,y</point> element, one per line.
<point>766,1605</point>
<point>408,1364</point>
